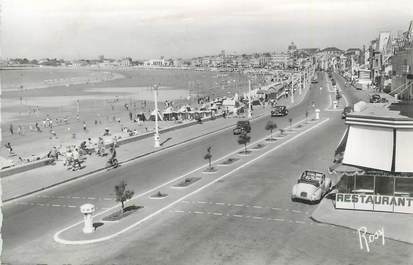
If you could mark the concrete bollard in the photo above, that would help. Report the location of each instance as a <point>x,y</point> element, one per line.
<point>396,97</point>
<point>87,210</point>
<point>335,104</point>
<point>317,114</point>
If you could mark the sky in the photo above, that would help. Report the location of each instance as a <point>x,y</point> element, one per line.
<point>144,29</point>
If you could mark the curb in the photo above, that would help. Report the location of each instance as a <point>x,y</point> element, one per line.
<point>349,228</point>
<point>124,162</point>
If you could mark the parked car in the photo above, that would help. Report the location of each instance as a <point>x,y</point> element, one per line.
<point>375,98</point>
<point>242,126</point>
<point>314,81</point>
<point>311,186</point>
<point>279,111</point>
<point>346,111</point>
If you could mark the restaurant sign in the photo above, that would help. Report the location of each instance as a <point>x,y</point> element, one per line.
<point>378,203</point>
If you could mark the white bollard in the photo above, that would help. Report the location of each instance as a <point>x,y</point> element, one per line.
<point>317,114</point>
<point>335,104</point>
<point>87,210</point>
<point>396,97</point>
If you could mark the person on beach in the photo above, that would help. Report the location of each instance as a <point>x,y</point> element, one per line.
<point>53,154</point>
<point>76,160</point>
<point>101,147</point>
<point>11,129</point>
<point>37,127</point>
<point>8,146</point>
<point>84,126</point>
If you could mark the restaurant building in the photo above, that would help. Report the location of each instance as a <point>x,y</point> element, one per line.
<point>378,148</point>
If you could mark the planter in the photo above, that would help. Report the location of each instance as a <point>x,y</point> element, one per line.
<point>243,153</point>
<point>210,170</point>
<point>116,216</point>
<point>186,182</point>
<point>229,161</point>
<point>272,139</point>
<point>158,196</point>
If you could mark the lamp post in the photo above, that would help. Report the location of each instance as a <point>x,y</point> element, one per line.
<point>292,88</point>
<point>249,100</point>
<point>156,136</point>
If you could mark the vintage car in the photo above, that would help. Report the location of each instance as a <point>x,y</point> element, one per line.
<point>375,98</point>
<point>311,186</point>
<point>242,126</point>
<point>346,111</point>
<point>279,111</point>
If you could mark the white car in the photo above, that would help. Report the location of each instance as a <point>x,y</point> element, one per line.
<point>311,186</point>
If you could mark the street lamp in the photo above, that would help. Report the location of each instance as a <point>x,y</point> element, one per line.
<point>292,88</point>
<point>156,136</point>
<point>249,100</point>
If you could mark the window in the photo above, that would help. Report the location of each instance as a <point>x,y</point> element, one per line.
<point>364,183</point>
<point>384,185</point>
<point>404,187</point>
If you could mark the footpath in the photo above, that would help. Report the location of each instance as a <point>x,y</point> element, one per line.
<point>397,226</point>
<point>44,177</point>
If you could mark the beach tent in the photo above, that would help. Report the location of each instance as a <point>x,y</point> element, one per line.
<point>152,117</point>
<point>168,114</point>
<point>141,116</point>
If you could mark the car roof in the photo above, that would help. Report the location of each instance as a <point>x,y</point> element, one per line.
<point>313,174</point>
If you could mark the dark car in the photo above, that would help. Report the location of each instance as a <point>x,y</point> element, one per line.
<point>242,126</point>
<point>278,111</point>
<point>314,81</point>
<point>375,98</point>
<point>346,111</point>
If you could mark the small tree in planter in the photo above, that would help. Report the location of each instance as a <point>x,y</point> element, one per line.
<point>208,156</point>
<point>306,116</point>
<point>122,194</point>
<point>244,139</point>
<point>270,126</point>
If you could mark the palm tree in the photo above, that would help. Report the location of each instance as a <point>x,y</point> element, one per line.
<point>122,194</point>
<point>244,139</point>
<point>208,156</point>
<point>270,126</point>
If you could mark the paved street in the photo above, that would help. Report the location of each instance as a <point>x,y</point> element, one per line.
<point>246,218</point>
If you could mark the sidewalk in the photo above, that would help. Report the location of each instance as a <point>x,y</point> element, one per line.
<point>396,226</point>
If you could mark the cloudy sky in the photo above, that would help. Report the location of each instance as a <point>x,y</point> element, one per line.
<point>184,28</point>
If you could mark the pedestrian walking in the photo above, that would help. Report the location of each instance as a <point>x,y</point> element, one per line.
<point>8,146</point>
<point>76,160</point>
<point>84,126</point>
<point>11,129</point>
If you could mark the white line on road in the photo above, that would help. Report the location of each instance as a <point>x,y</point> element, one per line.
<point>217,213</point>
<point>199,212</point>
<point>258,207</point>
<point>257,217</point>
<point>238,215</point>
<point>57,238</point>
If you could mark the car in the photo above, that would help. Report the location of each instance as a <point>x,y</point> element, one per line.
<point>311,186</point>
<point>242,126</point>
<point>314,81</point>
<point>346,111</point>
<point>279,111</point>
<point>375,98</point>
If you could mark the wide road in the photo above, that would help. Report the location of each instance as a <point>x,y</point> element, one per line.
<point>29,224</point>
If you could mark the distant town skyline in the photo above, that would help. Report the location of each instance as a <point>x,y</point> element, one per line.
<point>74,29</point>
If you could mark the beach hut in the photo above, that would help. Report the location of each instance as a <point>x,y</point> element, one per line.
<point>168,114</point>
<point>152,117</point>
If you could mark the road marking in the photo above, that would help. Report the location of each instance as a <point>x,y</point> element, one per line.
<point>56,205</point>
<point>239,205</point>
<point>202,202</point>
<point>57,238</point>
<point>199,212</point>
<point>295,211</point>
<point>258,207</point>
<point>257,217</point>
<point>277,219</point>
<point>178,211</point>
<point>217,213</point>
<point>71,206</point>
<point>277,209</point>
<point>220,203</point>
<point>299,222</point>
<point>91,198</point>
<point>238,215</point>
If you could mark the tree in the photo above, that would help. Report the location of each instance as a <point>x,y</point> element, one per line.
<point>122,194</point>
<point>208,156</point>
<point>270,126</point>
<point>244,139</point>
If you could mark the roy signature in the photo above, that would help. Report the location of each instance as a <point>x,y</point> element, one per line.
<point>366,238</point>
